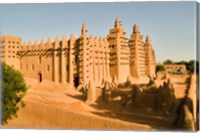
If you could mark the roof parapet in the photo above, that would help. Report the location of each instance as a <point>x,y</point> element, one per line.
<point>64,41</point>
<point>57,42</point>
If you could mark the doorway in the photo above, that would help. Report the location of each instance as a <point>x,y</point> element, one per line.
<point>39,76</point>
<point>76,81</point>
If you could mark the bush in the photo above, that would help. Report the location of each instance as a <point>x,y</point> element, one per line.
<point>190,65</point>
<point>13,89</point>
<point>168,61</point>
<point>160,68</point>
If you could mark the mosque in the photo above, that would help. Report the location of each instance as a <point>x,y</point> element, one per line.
<point>85,59</point>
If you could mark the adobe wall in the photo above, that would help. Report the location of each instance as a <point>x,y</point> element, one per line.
<point>86,59</point>
<point>47,58</point>
<point>173,67</point>
<point>9,47</point>
<point>34,62</point>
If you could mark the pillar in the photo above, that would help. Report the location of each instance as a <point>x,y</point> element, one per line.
<point>55,61</point>
<point>63,60</point>
<point>71,65</point>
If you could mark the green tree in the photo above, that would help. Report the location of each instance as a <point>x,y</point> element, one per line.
<point>168,61</point>
<point>197,67</point>
<point>160,68</point>
<point>13,90</point>
<point>181,62</point>
<point>190,65</point>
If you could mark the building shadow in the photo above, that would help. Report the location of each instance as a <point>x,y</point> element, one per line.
<point>127,113</point>
<point>114,110</point>
<point>183,121</point>
<point>79,97</point>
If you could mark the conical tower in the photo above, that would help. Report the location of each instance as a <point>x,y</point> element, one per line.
<point>83,57</point>
<point>119,52</point>
<point>137,54</point>
<point>150,58</point>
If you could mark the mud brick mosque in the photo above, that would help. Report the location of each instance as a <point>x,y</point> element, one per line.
<point>85,59</point>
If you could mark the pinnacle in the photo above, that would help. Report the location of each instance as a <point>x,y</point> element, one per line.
<point>117,23</point>
<point>83,31</point>
<point>135,28</point>
<point>147,39</point>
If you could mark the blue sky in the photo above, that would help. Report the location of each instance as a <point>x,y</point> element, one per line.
<point>170,25</point>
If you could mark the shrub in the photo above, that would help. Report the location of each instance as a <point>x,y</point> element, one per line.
<point>160,68</point>
<point>13,89</point>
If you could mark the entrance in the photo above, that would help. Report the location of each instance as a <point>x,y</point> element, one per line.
<point>39,76</point>
<point>76,81</point>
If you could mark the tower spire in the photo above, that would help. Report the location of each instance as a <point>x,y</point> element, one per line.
<point>135,28</point>
<point>83,31</point>
<point>117,23</point>
<point>147,39</point>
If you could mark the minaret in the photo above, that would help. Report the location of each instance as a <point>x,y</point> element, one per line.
<point>137,58</point>
<point>84,57</point>
<point>119,51</point>
<point>150,58</point>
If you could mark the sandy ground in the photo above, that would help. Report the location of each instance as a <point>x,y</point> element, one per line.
<point>54,106</point>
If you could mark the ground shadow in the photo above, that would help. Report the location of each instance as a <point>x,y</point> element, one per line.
<point>180,122</point>
<point>114,110</point>
<point>82,97</point>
